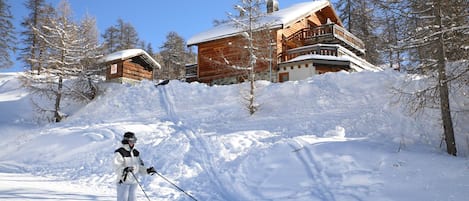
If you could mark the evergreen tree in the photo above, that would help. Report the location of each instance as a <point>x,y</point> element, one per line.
<point>7,37</point>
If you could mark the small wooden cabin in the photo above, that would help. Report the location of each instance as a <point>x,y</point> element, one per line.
<point>295,33</point>
<point>129,66</point>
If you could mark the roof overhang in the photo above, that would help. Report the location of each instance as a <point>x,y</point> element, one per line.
<point>317,59</point>
<point>138,56</point>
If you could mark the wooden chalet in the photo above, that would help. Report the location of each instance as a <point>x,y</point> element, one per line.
<point>305,39</point>
<point>129,66</point>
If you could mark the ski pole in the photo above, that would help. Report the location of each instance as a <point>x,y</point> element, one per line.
<point>180,189</point>
<point>140,186</point>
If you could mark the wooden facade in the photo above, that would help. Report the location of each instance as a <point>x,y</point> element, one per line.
<point>129,66</point>
<point>227,58</point>
<point>314,32</point>
<point>128,70</point>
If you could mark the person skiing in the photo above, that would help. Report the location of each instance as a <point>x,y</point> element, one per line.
<point>127,165</point>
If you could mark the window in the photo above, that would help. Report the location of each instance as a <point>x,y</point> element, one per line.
<point>113,69</point>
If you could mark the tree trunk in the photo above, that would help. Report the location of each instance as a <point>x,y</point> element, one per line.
<point>58,97</point>
<point>252,107</point>
<point>443,88</point>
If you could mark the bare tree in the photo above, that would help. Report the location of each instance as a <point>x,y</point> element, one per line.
<point>111,39</point>
<point>67,53</point>
<point>253,45</point>
<point>393,28</point>
<point>174,55</point>
<point>85,82</point>
<point>360,18</point>
<point>429,45</point>
<point>128,35</point>
<point>120,37</point>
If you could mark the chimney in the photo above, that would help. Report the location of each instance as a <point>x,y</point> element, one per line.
<point>272,6</point>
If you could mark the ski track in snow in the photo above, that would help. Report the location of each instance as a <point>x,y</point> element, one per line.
<point>209,166</point>
<point>312,168</point>
<point>198,144</point>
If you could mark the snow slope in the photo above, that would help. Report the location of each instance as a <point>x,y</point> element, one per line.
<point>332,137</point>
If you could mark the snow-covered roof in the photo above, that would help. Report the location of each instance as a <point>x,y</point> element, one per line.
<point>130,53</point>
<point>276,19</point>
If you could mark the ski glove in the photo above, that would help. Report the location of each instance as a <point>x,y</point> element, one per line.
<point>151,170</point>
<point>128,169</point>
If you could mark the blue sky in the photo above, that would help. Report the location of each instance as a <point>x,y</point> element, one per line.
<point>153,19</point>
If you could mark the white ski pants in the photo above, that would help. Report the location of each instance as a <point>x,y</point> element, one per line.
<point>126,192</point>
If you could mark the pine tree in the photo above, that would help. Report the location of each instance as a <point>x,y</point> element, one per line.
<point>7,37</point>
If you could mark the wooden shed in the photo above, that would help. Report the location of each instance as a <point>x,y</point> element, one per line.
<point>129,66</point>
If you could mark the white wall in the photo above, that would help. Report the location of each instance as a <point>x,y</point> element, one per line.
<point>299,73</point>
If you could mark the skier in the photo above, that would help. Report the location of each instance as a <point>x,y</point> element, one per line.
<point>127,165</point>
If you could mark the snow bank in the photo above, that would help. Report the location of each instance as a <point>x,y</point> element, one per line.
<point>331,137</point>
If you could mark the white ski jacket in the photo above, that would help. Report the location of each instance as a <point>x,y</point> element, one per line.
<point>127,157</point>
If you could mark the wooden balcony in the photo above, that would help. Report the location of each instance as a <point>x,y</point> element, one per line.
<point>325,34</point>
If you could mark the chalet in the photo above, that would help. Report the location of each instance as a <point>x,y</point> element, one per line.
<point>305,39</point>
<point>129,66</point>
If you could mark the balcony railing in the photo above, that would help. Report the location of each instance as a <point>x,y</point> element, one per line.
<point>327,33</point>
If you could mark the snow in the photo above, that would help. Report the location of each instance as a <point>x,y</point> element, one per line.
<point>319,57</point>
<point>29,187</point>
<point>336,136</point>
<point>127,54</point>
<point>281,18</point>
